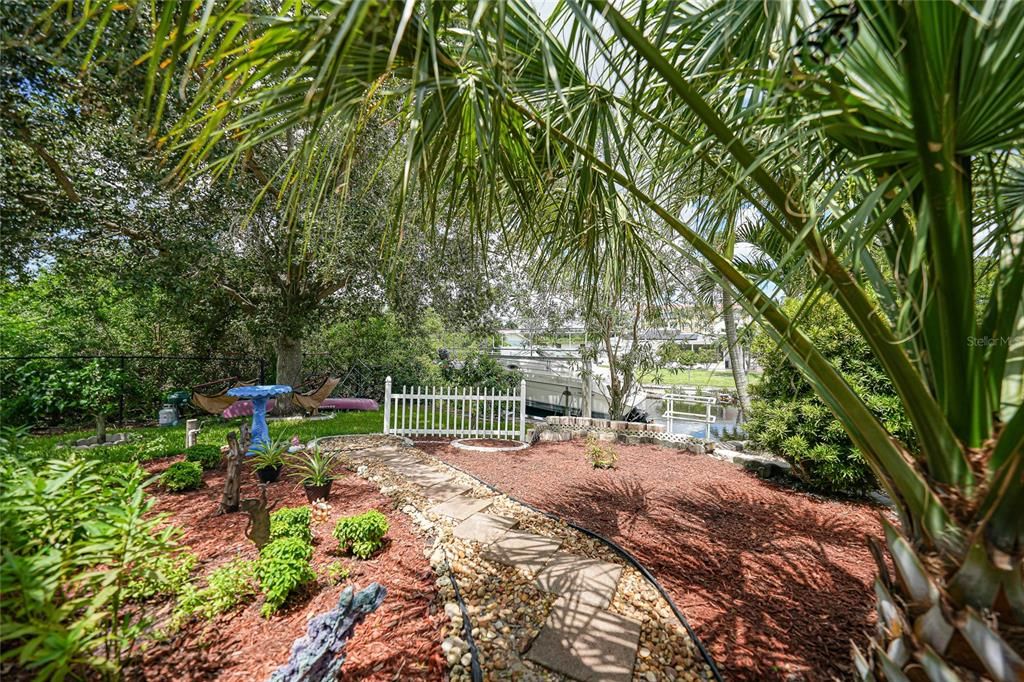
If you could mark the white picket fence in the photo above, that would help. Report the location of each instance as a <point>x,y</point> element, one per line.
<point>455,411</point>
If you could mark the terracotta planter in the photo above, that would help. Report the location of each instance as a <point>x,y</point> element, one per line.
<point>269,474</point>
<point>318,492</point>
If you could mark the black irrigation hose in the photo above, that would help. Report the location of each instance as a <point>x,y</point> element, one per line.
<point>618,550</point>
<point>475,671</point>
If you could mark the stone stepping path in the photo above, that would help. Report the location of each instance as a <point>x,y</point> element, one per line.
<point>586,642</point>
<point>590,581</point>
<point>461,507</point>
<point>442,492</point>
<point>580,638</point>
<point>483,528</point>
<point>526,552</point>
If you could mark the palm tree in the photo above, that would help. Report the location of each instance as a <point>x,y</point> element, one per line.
<point>880,141</point>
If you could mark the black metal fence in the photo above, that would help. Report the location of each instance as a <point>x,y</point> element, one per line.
<point>34,389</point>
<point>359,378</point>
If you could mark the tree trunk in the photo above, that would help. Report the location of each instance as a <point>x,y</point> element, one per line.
<point>101,428</point>
<point>233,481</point>
<point>739,374</point>
<point>615,397</point>
<point>289,371</point>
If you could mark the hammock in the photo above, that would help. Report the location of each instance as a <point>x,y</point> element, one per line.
<point>310,401</point>
<point>217,402</point>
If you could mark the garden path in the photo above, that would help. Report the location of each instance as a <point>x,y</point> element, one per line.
<point>580,637</point>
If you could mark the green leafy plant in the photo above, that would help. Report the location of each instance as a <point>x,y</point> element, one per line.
<point>313,466</point>
<point>337,572</point>
<point>282,569</point>
<point>232,584</point>
<point>362,534</point>
<point>291,522</point>
<point>208,456</point>
<point>182,476</point>
<point>270,453</point>
<point>601,456</point>
<point>78,536</point>
<point>166,576</point>
<point>481,371</point>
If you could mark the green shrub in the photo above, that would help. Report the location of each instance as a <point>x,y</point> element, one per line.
<point>226,587</point>
<point>182,476</point>
<point>481,371</point>
<point>167,576</point>
<point>790,421</point>
<point>601,456</point>
<point>362,534</point>
<point>208,456</point>
<point>291,522</point>
<point>75,532</point>
<point>283,568</point>
<point>337,572</point>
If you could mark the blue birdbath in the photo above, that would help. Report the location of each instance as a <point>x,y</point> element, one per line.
<point>259,395</point>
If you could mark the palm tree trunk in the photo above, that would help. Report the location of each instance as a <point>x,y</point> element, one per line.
<point>739,372</point>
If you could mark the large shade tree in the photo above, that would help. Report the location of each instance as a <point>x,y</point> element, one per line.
<point>879,140</point>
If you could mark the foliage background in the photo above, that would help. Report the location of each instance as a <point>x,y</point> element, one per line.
<point>790,420</point>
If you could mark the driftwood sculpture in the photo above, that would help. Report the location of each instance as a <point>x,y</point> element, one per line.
<point>318,654</point>
<point>233,480</point>
<point>258,528</point>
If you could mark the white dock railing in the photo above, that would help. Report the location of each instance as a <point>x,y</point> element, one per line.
<point>672,414</point>
<point>455,411</point>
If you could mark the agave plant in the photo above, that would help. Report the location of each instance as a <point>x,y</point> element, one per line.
<point>269,454</point>
<point>879,142</point>
<point>312,467</point>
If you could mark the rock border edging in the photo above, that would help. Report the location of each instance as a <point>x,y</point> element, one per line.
<point>461,444</point>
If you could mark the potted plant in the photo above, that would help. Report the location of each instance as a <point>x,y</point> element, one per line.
<point>269,459</point>
<point>316,471</point>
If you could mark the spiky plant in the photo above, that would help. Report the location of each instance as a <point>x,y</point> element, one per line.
<point>880,141</point>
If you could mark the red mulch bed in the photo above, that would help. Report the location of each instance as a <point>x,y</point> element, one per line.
<point>400,640</point>
<point>775,582</point>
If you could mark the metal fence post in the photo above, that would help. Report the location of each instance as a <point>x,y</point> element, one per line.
<point>387,404</point>
<point>522,410</point>
<point>120,400</point>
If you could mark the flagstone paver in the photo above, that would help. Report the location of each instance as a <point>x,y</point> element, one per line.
<point>484,528</point>
<point>400,461</point>
<point>461,507</point>
<point>407,465</point>
<point>526,551</point>
<point>442,492</point>
<point>429,478</point>
<point>588,580</point>
<point>586,642</point>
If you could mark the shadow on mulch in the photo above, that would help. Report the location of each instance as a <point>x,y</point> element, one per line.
<point>775,582</point>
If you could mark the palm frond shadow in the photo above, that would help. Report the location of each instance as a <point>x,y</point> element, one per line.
<point>767,582</point>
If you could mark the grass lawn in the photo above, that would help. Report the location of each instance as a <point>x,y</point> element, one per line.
<point>154,441</point>
<point>697,377</point>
